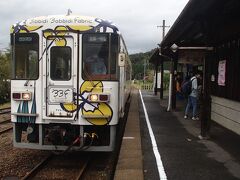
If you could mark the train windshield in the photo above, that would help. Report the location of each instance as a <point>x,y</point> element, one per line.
<point>100,56</point>
<point>25,56</point>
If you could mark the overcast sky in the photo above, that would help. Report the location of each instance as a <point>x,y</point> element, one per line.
<point>136,19</point>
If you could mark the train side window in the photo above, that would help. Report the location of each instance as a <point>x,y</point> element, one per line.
<point>114,55</point>
<point>26,58</point>
<point>60,63</point>
<point>96,57</point>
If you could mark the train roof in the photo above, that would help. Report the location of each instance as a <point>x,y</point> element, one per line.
<point>65,22</point>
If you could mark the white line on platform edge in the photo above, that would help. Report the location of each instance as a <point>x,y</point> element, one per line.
<point>160,167</point>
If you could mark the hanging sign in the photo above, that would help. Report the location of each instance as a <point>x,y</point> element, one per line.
<point>194,57</point>
<point>221,72</point>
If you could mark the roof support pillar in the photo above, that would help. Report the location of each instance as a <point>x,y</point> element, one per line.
<point>174,72</point>
<point>205,102</point>
<point>156,79</point>
<point>161,87</point>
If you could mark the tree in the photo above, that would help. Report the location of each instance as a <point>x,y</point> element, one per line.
<point>138,61</point>
<point>5,76</point>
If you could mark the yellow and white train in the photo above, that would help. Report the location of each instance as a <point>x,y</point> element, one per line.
<point>70,81</point>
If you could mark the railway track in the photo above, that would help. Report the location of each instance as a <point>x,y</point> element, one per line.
<point>6,130</point>
<point>76,165</point>
<point>4,127</point>
<point>5,121</point>
<point>59,167</point>
<point>5,110</point>
<point>37,168</point>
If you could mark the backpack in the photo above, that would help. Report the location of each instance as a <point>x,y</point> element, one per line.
<point>187,87</point>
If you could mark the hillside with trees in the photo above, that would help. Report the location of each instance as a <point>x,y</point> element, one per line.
<point>139,60</point>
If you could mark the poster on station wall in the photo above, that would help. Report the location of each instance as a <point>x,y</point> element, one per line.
<point>158,80</point>
<point>221,72</point>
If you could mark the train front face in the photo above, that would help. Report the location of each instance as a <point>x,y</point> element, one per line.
<point>65,83</point>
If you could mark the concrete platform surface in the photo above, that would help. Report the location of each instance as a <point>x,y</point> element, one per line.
<point>183,155</point>
<point>130,162</point>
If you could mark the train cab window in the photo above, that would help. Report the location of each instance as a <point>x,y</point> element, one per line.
<point>60,63</point>
<point>98,62</point>
<point>25,56</point>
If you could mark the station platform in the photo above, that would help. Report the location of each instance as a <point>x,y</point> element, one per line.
<point>168,147</point>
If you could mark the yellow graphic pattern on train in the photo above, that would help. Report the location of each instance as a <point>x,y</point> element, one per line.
<point>80,28</point>
<point>24,28</point>
<point>100,109</point>
<point>96,113</point>
<point>103,110</point>
<point>57,35</point>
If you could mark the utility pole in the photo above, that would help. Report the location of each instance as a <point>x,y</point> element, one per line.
<point>144,71</point>
<point>163,28</point>
<point>162,70</point>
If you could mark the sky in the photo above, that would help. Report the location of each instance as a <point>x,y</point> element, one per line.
<point>137,20</point>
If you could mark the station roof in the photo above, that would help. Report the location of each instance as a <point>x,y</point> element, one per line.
<point>203,23</point>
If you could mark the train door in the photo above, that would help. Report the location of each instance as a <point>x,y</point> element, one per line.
<point>122,80</point>
<point>61,76</point>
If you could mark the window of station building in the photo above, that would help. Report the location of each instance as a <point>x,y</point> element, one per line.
<point>60,63</point>
<point>99,56</point>
<point>25,56</point>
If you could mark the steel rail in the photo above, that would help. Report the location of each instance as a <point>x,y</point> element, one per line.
<point>3,110</point>
<point>5,121</point>
<point>83,169</point>
<point>6,130</point>
<point>37,168</point>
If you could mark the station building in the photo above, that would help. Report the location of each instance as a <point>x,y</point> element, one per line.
<point>206,37</point>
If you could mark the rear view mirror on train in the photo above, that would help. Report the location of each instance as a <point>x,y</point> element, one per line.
<point>121,59</point>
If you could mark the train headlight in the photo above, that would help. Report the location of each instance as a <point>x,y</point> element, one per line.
<point>99,97</point>
<point>93,97</point>
<point>27,96</point>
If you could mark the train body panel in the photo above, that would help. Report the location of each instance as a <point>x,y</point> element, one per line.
<point>68,89</point>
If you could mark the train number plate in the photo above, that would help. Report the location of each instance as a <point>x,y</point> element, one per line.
<point>60,95</point>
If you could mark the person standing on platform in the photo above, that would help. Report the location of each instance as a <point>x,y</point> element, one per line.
<point>193,97</point>
<point>179,94</point>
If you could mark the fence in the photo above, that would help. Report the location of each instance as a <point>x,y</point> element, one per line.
<point>147,87</point>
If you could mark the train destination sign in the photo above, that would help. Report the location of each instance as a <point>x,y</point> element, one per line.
<point>60,19</point>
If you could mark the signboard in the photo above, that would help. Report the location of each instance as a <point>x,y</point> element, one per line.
<point>158,80</point>
<point>194,57</point>
<point>221,72</point>
<point>60,95</point>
